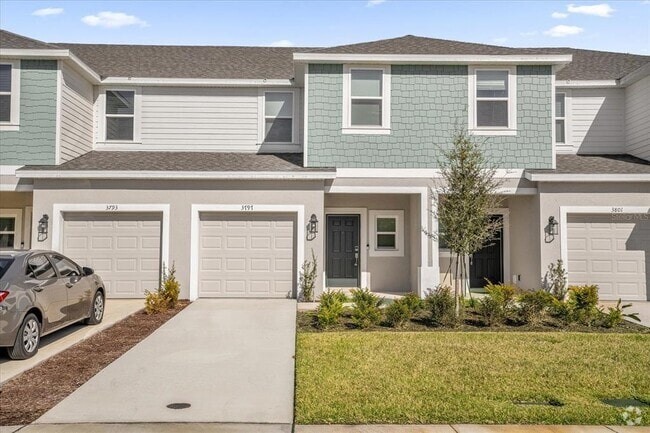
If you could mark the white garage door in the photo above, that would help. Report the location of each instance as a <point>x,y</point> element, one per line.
<point>246,255</point>
<point>611,251</point>
<point>122,248</point>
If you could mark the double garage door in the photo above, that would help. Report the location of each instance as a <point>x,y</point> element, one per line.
<point>612,251</point>
<point>240,255</point>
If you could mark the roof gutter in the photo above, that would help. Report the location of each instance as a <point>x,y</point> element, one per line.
<point>447,59</point>
<point>64,55</point>
<point>576,177</point>
<point>176,175</point>
<point>636,75</point>
<point>196,82</point>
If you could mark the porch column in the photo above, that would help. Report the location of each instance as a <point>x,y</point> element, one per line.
<point>429,269</point>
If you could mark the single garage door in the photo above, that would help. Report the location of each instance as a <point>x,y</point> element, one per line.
<point>246,255</point>
<point>611,251</point>
<point>122,248</point>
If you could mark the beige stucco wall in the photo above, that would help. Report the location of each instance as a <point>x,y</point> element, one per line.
<point>21,202</point>
<point>180,195</point>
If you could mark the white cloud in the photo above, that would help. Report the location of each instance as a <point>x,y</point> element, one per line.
<point>47,11</point>
<point>282,43</point>
<point>374,2</point>
<point>499,40</point>
<point>562,31</point>
<point>601,10</point>
<point>559,15</point>
<point>111,20</point>
<point>528,34</point>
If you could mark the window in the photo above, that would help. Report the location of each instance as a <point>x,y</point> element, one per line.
<point>492,109</point>
<point>7,232</point>
<point>278,117</point>
<point>367,98</point>
<point>9,95</point>
<point>387,237</point>
<point>65,267</point>
<point>40,267</point>
<point>560,118</point>
<point>120,115</point>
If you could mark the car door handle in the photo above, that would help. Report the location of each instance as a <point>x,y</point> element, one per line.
<point>38,289</point>
<point>68,285</point>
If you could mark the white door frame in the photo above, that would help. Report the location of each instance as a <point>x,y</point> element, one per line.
<point>299,210</point>
<point>17,215</point>
<point>364,275</point>
<point>59,209</point>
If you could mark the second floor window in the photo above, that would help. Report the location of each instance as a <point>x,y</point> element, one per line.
<point>5,93</point>
<point>366,104</point>
<point>278,117</point>
<point>492,99</point>
<point>120,115</point>
<point>560,118</point>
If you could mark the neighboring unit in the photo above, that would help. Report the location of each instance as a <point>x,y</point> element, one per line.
<point>235,163</point>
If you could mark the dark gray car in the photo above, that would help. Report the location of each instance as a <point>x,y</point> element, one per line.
<point>41,292</point>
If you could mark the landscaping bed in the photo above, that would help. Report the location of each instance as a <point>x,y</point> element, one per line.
<point>28,396</point>
<point>357,377</point>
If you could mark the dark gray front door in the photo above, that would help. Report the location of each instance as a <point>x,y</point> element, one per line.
<point>343,251</point>
<point>487,263</point>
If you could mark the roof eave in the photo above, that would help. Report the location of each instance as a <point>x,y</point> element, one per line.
<point>53,54</point>
<point>446,59</point>
<point>196,82</point>
<point>591,177</point>
<point>183,175</point>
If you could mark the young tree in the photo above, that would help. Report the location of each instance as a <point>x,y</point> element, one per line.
<point>467,195</point>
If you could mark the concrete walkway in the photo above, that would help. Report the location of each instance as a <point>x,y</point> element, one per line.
<point>116,310</point>
<point>231,360</point>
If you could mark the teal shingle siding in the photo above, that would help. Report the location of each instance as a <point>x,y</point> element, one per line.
<point>428,102</point>
<point>34,142</point>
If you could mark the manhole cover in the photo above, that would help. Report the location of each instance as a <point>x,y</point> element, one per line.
<point>178,405</point>
<point>624,402</point>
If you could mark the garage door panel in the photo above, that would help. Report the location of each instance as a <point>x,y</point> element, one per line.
<point>122,248</point>
<point>611,253</point>
<point>246,255</point>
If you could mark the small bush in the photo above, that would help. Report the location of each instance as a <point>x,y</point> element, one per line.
<point>414,302</point>
<point>330,309</point>
<point>365,312</point>
<point>398,313</point>
<point>616,315</point>
<point>497,305</point>
<point>503,294</point>
<point>470,303</point>
<point>533,305</point>
<point>166,296</point>
<point>490,311</point>
<point>583,304</point>
<point>441,306</point>
<point>308,275</point>
<point>555,280</point>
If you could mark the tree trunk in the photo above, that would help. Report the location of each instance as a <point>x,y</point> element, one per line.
<point>457,279</point>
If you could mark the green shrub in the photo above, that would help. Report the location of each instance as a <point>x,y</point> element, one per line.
<point>398,313</point>
<point>497,305</point>
<point>413,302</point>
<point>166,296</point>
<point>555,280</point>
<point>470,303</point>
<point>330,309</point>
<point>365,312</point>
<point>583,304</point>
<point>533,305</point>
<point>616,315</point>
<point>503,294</point>
<point>442,307</point>
<point>490,311</point>
<point>308,275</point>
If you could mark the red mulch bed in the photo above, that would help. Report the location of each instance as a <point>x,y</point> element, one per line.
<point>28,396</point>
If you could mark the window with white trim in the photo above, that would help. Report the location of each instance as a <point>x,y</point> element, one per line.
<point>279,114</point>
<point>9,95</point>
<point>560,118</point>
<point>7,232</point>
<point>387,233</point>
<point>493,100</point>
<point>120,115</point>
<point>366,105</point>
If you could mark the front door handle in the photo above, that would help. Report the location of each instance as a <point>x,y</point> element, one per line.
<point>356,256</point>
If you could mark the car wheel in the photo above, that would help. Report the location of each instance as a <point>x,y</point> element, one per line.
<point>96,309</point>
<point>27,340</point>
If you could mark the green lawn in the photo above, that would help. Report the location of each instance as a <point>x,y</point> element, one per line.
<point>463,377</point>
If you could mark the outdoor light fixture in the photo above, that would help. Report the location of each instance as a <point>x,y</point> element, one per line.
<point>552,226</point>
<point>313,224</point>
<point>43,227</point>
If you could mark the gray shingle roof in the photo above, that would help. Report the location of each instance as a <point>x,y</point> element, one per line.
<point>9,40</point>
<point>597,164</point>
<point>182,161</point>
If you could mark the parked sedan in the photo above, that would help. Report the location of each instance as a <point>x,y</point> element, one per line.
<point>41,292</point>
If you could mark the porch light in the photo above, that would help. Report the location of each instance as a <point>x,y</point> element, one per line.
<point>313,224</point>
<point>43,227</point>
<point>552,226</point>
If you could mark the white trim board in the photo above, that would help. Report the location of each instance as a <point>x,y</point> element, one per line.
<point>444,59</point>
<point>17,215</point>
<point>9,170</point>
<point>197,82</point>
<point>58,209</point>
<point>365,277</point>
<point>396,214</point>
<point>412,173</point>
<point>574,177</point>
<point>299,210</point>
<point>128,174</point>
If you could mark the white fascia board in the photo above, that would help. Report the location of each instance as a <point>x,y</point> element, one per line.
<point>636,75</point>
<point>427,173</point>
<point>83,69</point>
<point>587,84</point>
<point>194,82</point>
<point>74,61</point>
<point>432,59</point>
<point>241,175</point>
<point>575,177</point>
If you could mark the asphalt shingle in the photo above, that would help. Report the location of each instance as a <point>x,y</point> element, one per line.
<point>598,164</point>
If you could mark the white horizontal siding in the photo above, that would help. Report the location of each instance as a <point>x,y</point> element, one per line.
<point>76,114</point>
<point>637,118</point>
<point>596,120</point>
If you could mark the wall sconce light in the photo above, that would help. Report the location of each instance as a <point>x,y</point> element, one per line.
<point>43,227</point>
<point>313,224</point>
<point>552,226</point>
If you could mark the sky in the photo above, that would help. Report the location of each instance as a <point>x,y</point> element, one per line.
<point>622,26</point>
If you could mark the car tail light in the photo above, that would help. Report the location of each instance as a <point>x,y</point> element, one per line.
<point>3,295</point>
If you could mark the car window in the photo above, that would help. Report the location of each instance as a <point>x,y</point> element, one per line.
<point>5,262</point>
<point>65,267</point>
<point>40,267</point>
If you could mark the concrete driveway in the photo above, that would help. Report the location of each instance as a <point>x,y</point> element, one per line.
<point>231,360</point>
<point>643,308</point>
